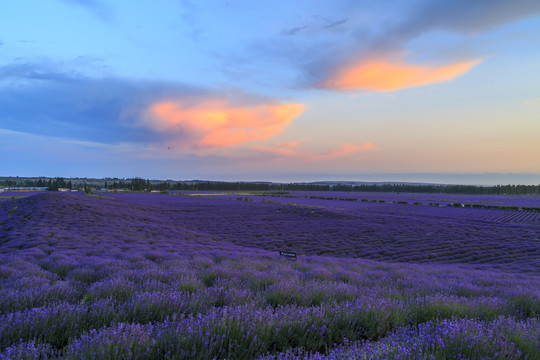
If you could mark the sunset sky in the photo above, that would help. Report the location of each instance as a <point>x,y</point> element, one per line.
<point>433,91</point>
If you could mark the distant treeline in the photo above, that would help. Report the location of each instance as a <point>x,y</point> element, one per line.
<point>404,188</point>
<point>246,186</point>
<point>444,189</point>
<point>139,184</point>
<point>51,184</point>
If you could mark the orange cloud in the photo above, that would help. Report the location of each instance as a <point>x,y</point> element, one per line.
<point>288,151</point>
<point>215,123</point>
<point>531,102</point>
<point>289,144</point>
<point>387,76</point>
<point>344,149</point>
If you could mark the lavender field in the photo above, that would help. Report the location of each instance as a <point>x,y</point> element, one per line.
<point>199,276</point>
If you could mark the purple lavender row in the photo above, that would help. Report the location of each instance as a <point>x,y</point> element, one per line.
<point>503,338</point>
<point>244,333</point>
<point>414,306</point>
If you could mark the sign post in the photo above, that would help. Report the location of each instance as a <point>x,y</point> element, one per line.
<point>289,254</point>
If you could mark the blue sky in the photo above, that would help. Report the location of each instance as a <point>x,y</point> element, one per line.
<point>286,91</point>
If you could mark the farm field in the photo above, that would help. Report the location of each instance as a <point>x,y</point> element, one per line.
<point>370,229</point>
<point>199,276</point>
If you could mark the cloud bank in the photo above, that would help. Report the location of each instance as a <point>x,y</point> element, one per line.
<point>377,41</point>
<point>42,101</point>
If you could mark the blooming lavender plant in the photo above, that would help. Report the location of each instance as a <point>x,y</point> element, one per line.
<point>150,276</point>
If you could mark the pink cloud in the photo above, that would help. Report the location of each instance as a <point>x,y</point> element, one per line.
<point>343,150</point>
<point>216,123</point>
<point>382,75</point>
<point>289,144</point>
<point>531,102</point>
<point>289,151</point>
